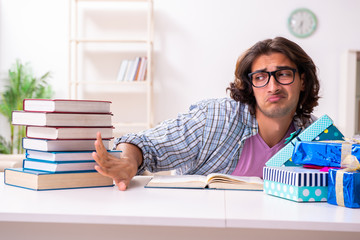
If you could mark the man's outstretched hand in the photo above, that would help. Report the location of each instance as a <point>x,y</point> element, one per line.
<point>122,169</point>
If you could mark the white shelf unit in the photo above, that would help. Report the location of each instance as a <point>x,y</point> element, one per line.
<point>79,84</point>
<point>349,97</point>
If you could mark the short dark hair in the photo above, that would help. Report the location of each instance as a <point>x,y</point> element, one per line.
<point>241,88</point>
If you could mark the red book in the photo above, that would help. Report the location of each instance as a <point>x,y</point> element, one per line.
<point>61,145</point>
<point>66,105</point>
<point>68,132</point>
<point>61,119</point>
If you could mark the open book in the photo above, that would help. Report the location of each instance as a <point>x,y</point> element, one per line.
<point>211,181</point>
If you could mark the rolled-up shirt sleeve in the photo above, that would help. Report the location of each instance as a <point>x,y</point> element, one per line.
<point>172,144</point>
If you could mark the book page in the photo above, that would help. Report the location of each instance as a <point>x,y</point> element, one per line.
<point>178,181</point>
<point>219,177</point>
<point>235,186</point>
<point>225,181</point>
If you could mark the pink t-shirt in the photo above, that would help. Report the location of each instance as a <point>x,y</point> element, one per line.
<point>256,153</point>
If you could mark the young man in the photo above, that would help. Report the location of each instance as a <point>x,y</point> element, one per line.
<point>274,93</point>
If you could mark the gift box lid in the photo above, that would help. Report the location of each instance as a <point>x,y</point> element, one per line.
<point>318,130</point>
<point>296,176</point>
<point>329,153</point>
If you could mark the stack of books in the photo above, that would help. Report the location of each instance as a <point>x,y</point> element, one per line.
<point>59,142</point>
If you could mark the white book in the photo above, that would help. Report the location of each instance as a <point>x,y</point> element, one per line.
<point>129,70</point>
<point>61,145</point>
<point>66,105</point>
<point>73,166</point>
<point>143,69</point>
<point>61,119</point>
<point>134,69</point>
<point>211,181</point>
<point>122,70</point>
<point>65,156</point>
<point>68,132</point>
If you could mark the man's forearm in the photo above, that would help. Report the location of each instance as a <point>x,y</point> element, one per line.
<point>131,151</point>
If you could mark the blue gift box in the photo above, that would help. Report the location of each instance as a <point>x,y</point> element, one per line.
<point>322,129</point>
<point>328,154</point>
<point>296,183</point>
<point>344,188</point>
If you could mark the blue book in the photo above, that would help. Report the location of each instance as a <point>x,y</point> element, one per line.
<point>65,156</point>
<point>63,166</point>
<point>39,180</point>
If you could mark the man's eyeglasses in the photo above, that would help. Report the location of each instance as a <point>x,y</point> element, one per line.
<point>283,76</point>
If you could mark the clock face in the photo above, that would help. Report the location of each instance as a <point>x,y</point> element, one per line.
<point>302,22</point>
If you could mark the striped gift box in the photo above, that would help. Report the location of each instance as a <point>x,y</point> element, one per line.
<point>296,176</point>
<point>296,183</point>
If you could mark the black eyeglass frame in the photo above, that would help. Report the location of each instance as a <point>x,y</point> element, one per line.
<point>273,73</point>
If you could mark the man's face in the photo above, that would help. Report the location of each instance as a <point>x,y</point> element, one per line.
<point>275,100</point>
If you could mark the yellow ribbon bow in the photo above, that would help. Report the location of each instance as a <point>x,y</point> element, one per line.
<point>350,164</point>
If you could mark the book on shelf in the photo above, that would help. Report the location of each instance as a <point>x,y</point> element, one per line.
<point>39,180</point>
<point>136,76</point>
<point>142,69</point>
<point>122,70</point>
<point>62,166</point>
<point>66,105</point>
<point>61,145</point>
<point>134,69</point>
<point>65,156</point>
<point>68,132</point>
<point>129,70</point>
<point>62,119</point>
<point>211,181</point>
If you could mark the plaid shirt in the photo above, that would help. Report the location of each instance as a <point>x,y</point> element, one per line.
<point>209,138</point>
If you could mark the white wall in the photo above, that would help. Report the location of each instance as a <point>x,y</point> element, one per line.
<point>196,46</point>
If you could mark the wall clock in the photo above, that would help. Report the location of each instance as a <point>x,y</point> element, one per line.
<point>302,22</point>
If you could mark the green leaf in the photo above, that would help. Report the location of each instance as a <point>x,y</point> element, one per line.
<point>22,84</point>
<point>4,146</point>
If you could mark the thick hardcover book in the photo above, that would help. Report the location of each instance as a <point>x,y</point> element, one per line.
<point>62,119</point>
<point>211,181</point>
<point>61,145</point>
<point>63,166</point>
<point>66,105</point>
<point>38,180</point>
<point>65,156</point>
<point>68,132</point>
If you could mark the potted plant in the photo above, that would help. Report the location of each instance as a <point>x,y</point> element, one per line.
<point>21,84</point>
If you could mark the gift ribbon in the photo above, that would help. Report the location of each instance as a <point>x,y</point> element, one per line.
<point>345,152</point>
<point>292,136</point>
<point>351,164</point>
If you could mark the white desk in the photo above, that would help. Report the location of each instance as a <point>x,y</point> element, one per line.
<point>140,213</point>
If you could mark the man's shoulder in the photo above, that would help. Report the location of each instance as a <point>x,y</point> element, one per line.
<point>219,103</point>
<point>227,109</point>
